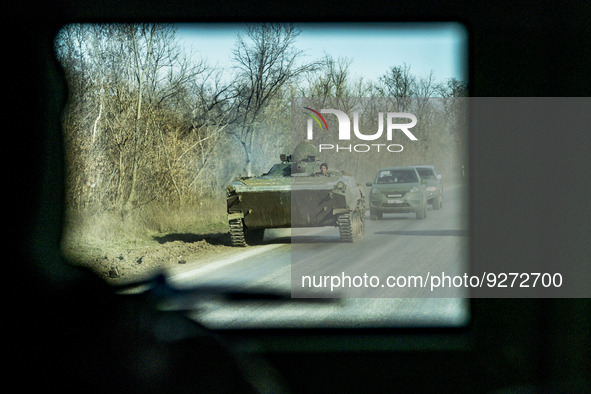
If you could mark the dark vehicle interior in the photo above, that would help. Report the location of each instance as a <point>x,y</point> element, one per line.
<point>67,330</point>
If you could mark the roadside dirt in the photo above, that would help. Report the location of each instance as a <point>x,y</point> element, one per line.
<point>130,264</point>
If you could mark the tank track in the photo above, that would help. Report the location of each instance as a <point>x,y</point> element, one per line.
<point>352,225</point>
<point>237,233</point>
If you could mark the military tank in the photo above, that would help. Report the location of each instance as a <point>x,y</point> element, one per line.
<point>295,193</point>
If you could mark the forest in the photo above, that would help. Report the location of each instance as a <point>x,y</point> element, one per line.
<point>148,128</point>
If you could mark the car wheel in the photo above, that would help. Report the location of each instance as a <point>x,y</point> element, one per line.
<point>375,214</point>
<point>437,204</point>
<point>422,212</point>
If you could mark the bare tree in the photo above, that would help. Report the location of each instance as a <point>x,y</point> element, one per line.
<point>399,85</point>
<point>331,80</point>
<point>265,60</point>
<point>144,122</point>
<point>130,126</point>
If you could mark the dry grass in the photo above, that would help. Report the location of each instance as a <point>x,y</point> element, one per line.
<point>94,237</point>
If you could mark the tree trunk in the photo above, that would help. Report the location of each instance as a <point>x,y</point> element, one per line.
<point>140,72</point>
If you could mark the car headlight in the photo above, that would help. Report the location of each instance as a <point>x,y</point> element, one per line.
<point>374,190</point>
<point>340,185</point>
<point>414,190</point>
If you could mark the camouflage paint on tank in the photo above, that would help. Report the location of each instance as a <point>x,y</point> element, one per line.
<point>295,194</point>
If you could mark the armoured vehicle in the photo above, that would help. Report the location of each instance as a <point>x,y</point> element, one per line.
<point>397,190</point>
<point>295,193</point>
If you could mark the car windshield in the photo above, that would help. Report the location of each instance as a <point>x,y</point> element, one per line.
<point>426,173</point>
<point>396,176</point>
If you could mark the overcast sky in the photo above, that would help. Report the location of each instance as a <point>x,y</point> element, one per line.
<point>374,48</point>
